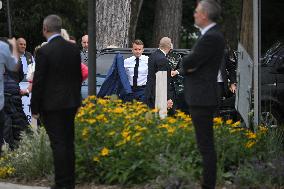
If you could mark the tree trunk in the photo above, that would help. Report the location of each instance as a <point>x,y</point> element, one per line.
<point>246,34</point>
<point>113,20</point>
<point>167,22</point>
<point>135,12</point>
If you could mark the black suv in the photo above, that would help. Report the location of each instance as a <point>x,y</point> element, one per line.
<point>272,86</point>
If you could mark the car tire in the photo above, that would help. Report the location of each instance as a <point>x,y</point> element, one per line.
<point>270,115</point>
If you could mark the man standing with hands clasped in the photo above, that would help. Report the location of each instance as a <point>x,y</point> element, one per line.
<point>201,69</point>
<point>57,96</point>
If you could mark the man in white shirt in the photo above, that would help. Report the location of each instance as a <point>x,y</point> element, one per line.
<point>136,68</point>
<point>26,58</point>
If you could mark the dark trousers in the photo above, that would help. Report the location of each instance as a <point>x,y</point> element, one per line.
<point>202,118</point>
<point>59,126</point>
<point>139,93</point>
<point>2,121</point>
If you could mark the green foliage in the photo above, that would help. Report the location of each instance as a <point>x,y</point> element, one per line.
<point>32,159</point>
<point>127,143</point>
<point>266,168</point>
<point>27,17</point>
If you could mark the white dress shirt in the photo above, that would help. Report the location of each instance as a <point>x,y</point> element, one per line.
<point>25,63</point>
<point>129,65</point>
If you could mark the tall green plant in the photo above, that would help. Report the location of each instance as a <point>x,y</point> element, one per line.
<point>32,159</point>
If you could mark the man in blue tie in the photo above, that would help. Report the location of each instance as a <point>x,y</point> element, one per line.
<point>136,68</point>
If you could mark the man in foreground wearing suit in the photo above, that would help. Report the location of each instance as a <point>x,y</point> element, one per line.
<point>201,69</point>
<point>56,97</point>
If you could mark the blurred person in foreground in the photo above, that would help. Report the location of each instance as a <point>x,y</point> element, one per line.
<point>8,60</point>
<point>201,69</point>
<point>56,97</point>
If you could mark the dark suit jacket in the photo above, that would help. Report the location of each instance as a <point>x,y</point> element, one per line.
<point>228,69</point>
<point>201,69</point>
<point>57,78</point>
<point>116,81</point>
<point>157,62</point>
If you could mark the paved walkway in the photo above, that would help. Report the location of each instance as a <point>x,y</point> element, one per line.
<point>4,185</point>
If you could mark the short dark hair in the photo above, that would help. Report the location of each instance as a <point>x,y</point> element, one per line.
<point>138,42</point>
<point>212,8</point>
<point>53,23</point>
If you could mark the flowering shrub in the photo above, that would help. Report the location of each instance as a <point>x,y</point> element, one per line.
<point>5,169</point>
<point>127,143</point>
<point>124,142</point>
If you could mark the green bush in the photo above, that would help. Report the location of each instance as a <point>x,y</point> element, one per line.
<point>127,143</point>
<point>33,158</point>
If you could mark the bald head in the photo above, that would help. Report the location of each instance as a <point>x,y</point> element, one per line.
<point>21,45</point>
<point>165,44</point>
<point>85,42</point>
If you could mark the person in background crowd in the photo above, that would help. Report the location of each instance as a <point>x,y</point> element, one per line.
<point>201,69</point>
<point>26,57</point>
<point>30,73</point>
<point>159,62</point>
<point>84,51</point>
<point>8,60</point>
<point>136,68</point>
<point>57,96</point>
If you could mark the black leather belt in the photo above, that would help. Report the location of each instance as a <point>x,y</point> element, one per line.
<point>138,87</point>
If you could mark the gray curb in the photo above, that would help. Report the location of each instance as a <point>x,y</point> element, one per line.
<point>4,185</point>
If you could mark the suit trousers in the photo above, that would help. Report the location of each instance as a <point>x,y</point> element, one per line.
<point>202,118</point>
<point>59,126</point>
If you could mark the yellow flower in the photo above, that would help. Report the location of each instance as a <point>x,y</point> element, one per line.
<point>236,124</point>
<point>96,159</point>
<point>171,120</point>
<point>217,120</point>
<point>85,133</point>
<point>101,101</point>
<point>229,122</point>
<point>139,128</point>
<point>105,152</point>
<point>251,135</point>
<point>111,133</point>
<point>250,144</point>
<point>171,130</point>
<point>91,121</point>
<point>118,110</point>
<point>125,133</point>
<point>263,129</point>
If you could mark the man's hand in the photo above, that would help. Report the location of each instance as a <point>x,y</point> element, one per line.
<point>170,104</point>
<point>13,42</point>
<point>36,116</point>
<point>174,73</point>
<point>233,87</point>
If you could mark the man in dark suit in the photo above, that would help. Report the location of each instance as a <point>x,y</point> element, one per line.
<point>226,77</point>
<point>158,62</point>
<point>201,69</point>
<point>56,97</point>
